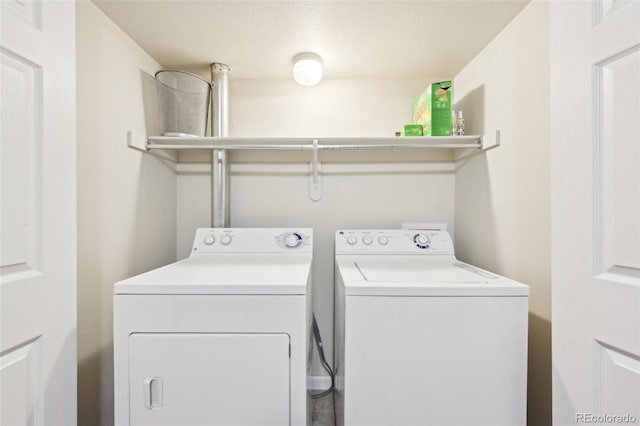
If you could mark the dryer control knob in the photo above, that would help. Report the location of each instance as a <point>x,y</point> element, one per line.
<point>209,239</point>
<point>225,240</point>
<point>422,241</point>
<point>383,241</point>
<point>367,240</point>
<point>352,240</point>
<point>292,240</point>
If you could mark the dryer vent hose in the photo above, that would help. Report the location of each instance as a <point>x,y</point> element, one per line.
<point>323,360</point>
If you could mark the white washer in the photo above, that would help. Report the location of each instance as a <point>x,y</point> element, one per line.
<point>423,339</point>
<point>219,338</point>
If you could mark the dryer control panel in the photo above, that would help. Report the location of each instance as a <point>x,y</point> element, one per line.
<point>252,240</point>
<point>393,241</point>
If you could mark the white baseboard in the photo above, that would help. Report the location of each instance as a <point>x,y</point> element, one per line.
<point>318,382</point>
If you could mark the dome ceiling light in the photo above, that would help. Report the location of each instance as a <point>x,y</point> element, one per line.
<point>307,69</point>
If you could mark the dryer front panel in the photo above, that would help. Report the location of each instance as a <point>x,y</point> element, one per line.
<point>209,379</point>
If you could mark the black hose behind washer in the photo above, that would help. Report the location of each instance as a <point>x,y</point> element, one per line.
<point>323,360</point>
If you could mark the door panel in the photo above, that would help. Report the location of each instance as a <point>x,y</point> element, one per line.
<point>595,68</point>
<point>618,376</point>
<point>209,379</point>
<point>20,204</point>
<point>27,10</point>
<point>617,165</point>
<point>37,213</point>
<point>21,191</point>
<point>20,398</point>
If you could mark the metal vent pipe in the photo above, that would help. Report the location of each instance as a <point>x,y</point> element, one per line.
<point>219,161</point>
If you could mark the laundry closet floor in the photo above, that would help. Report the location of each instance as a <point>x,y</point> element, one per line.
<point>322,412</point>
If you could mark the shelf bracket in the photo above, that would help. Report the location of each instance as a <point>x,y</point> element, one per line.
<point>133,142</point>
<point>315,184</point>
<point>496,142</point>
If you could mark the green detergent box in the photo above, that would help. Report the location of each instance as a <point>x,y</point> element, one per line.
<point>412,130</point>
<point>432,109</point>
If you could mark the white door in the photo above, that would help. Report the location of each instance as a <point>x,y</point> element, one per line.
<point>595,113</point>
<point>37,213</point>
<point>209,379</point>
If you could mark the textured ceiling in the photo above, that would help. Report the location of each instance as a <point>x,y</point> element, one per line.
<point>362,39</point>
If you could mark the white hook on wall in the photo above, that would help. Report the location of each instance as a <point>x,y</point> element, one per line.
<point>315,185</point>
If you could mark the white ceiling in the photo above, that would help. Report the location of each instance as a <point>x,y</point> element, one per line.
<point>361,39</point>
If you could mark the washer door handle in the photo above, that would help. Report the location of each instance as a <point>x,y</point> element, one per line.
<point>153,397</point>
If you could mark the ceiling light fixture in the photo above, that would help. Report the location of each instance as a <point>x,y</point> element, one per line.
<point>307,69</point>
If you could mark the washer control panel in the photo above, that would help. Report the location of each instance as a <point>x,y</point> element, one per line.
<point>393,241</point>
<point>252,240</point>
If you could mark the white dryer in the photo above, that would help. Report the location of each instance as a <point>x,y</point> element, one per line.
<point>219,338</point>
<point>424,339</point>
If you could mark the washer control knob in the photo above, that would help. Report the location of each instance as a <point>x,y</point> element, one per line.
<point>225,240</point>
<point>292,240</point>
<point>367,240</point>
<point>352,240</point>
<point>209,239</point>
<point>383,241</point>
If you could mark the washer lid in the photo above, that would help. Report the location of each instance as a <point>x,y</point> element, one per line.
<point>421,276</point>
<point>414,270</point>
<point>225,274</point>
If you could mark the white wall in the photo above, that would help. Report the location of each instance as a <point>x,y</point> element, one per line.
<point>126,199</point>
<point>360,189</point>
<point>502,200</point>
